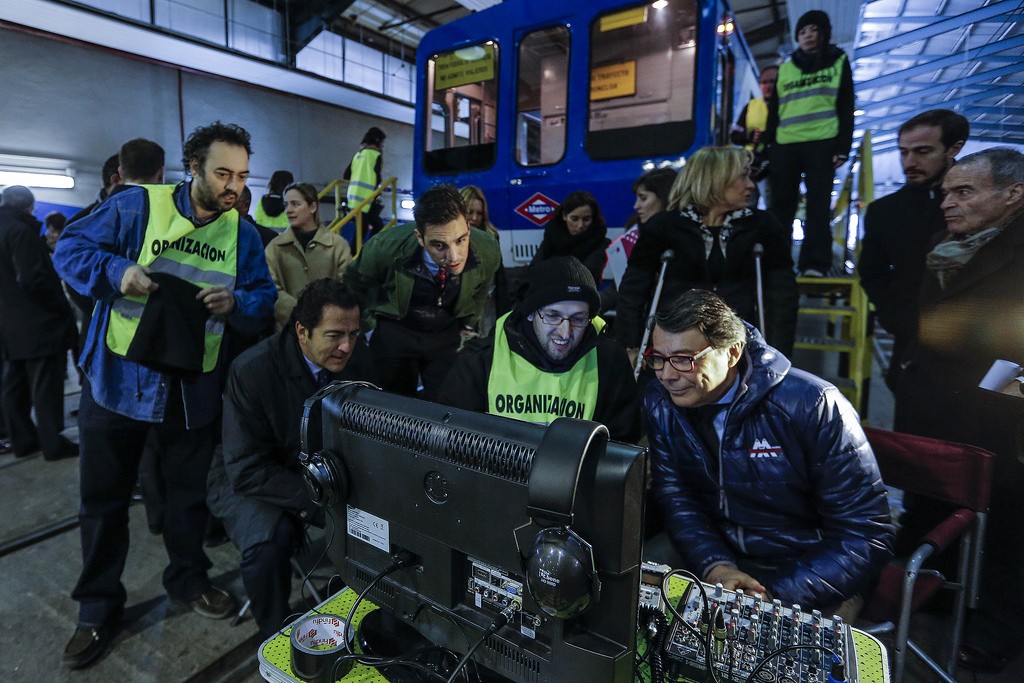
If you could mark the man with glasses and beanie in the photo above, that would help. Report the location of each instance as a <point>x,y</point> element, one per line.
<point>548,358</point>
<point>762,472</point>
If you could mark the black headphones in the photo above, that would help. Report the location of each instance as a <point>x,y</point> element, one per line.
<point>326,483</point>
<point>560,570</point>
<point>325,478</point>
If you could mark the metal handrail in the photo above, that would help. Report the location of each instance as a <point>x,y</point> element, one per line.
<point>340,187</point>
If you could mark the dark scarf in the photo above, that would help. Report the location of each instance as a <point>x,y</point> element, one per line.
<point>954,252</point>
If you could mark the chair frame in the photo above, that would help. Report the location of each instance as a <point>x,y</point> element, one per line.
<point>968,471</point>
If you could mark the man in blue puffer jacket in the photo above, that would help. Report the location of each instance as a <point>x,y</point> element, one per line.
<point>762,471</point>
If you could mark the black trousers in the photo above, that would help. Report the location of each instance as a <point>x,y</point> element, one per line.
<point>39,383</point>
<point>814,161</point>
<point>266,575</point>
<point>111,447</point>
<point>403,356</point>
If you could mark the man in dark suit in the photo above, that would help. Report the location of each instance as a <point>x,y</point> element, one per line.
<point>255,484</point>
<point>36,331</point>
<point>898,228</point>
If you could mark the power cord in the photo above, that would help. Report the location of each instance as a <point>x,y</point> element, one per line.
<point>499,621</point>
<point>705,640</point>
<point>399,560</point>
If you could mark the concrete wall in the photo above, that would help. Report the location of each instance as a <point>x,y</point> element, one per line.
<point>68,101</point>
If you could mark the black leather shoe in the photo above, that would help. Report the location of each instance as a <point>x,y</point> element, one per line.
<point>974,658</point>
<point>5,447</point>
<point>86,646</point>
<point>214,603</point>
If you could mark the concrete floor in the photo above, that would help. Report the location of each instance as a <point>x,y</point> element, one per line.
<point>161,642</point>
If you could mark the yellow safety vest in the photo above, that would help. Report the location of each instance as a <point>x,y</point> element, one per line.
<point>363,181</point>
<point>518,389</point>
<point>757,117</point>
<point>807,103</point>
<point>278,222</point>
<point>206,257</point>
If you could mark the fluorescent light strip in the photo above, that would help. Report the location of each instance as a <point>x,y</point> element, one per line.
<point>53,180</point>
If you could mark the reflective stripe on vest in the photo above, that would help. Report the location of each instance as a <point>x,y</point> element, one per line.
<point>757,117</point>
<point>278,222</point>
<point>807,103</point>
<point>518,389</point>
<point>363,182</point>
<point>206,257</point>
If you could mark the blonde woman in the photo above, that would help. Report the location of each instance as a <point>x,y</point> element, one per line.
<point>476,210</point>
<point>713,234</point>
<point>478,217</point>
<point>306,251</point>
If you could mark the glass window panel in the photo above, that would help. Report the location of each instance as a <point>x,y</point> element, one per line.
<point>642,74</point>
<point>462,86</point>
<point>541,96</point>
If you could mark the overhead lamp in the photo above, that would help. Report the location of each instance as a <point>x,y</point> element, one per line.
<point>659,4</point>
<point>408,204</point>
<point>60,181</point>
<point>31,171</point>
<point>858,112</point>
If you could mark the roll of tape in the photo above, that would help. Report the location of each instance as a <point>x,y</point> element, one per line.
<point>318,641</point>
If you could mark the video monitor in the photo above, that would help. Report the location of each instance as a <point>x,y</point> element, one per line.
<point>495,511</point>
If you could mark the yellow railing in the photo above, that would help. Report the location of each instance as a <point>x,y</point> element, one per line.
<point>340,188</point>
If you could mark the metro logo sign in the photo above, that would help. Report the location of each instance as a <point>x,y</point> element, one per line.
<point>537,209</point>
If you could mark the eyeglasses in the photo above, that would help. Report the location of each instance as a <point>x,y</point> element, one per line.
<point>679,361</point>
<point>579,321</point>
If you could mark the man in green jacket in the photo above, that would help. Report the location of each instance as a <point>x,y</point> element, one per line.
<point>422,289</point>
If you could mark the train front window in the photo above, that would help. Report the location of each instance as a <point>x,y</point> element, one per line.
<point>541,96</point>
<point>462,89</point>
<point>642,74</point>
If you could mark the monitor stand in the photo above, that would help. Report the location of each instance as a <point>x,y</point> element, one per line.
<point>383,635</point>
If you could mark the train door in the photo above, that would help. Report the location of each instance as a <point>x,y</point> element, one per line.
<point>461,124</point>
<point>536,170</point>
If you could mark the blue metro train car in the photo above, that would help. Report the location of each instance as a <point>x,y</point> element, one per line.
<point>533,99</point>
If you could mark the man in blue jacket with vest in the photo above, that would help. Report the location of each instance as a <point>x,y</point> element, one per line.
<point>763,474</point>
<point>171,267</point>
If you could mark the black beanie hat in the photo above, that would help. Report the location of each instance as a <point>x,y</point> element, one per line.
<point>374,136</point>
<point>819,19</point>
<point>560,279</point>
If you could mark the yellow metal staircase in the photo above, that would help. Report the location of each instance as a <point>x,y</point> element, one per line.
<point>339,188</point>
<point>841,310</point>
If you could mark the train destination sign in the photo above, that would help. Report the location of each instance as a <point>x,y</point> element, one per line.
<point>464,66</point>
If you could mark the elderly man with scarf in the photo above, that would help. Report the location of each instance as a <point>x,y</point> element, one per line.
<point>971,314</point>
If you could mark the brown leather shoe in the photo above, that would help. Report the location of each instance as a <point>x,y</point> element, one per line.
<point>86,646</point>
<point>214,603</point>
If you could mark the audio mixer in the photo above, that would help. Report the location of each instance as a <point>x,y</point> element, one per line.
<point>801,646</point>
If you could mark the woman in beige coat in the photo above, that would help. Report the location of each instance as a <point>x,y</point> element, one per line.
<point>305,252</point>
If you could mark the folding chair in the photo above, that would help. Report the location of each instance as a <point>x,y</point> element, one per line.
<point>954,473</point>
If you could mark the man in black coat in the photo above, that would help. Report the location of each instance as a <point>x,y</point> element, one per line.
<point>548,358</point>
<point>255,485</point>
<point>36,331</point>
<point>972,314</point>
<point>898,228</point>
